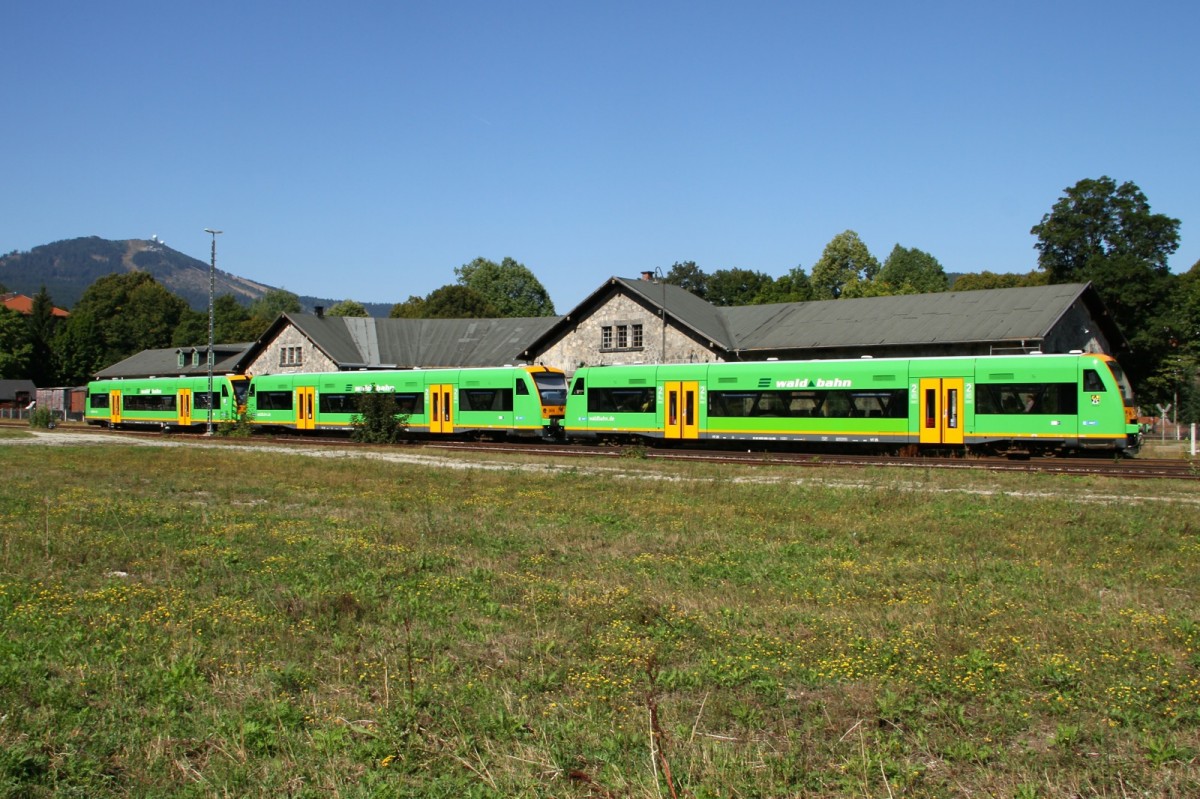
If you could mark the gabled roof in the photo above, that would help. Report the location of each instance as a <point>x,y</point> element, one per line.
<point>165,362</point>
<point>953,317</point>
<point>682,308</point>
<point>372,343</point>
<point>689,311</point>
<point>10,388</point>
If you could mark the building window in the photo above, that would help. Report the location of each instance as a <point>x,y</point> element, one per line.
<point>623,336</point>
<point>291,356</point>
<point>181,359</point>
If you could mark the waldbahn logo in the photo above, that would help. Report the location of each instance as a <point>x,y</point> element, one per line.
<point>836,382</point>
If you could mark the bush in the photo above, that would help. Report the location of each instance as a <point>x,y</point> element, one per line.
<point>238,427</point>
<point>378,420</point>
<point>42,417</point>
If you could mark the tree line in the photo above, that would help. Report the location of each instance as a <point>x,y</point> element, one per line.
<point>1099,231</point>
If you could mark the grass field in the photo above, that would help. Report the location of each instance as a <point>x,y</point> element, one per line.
<point>204,622</point>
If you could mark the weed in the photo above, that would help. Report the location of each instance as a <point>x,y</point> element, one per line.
<point>178,623</point>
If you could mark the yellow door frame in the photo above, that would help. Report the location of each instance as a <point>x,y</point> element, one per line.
<point>114,407</point>
<point>681,416</point>
<point>941,417</point>
<point>185,407</point>
<point>441,408</point>
<point>305,404</point>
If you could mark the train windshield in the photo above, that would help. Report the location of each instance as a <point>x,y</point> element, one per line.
<point>240,389</point>
<point>552,387</point>
<point>1122,383</point>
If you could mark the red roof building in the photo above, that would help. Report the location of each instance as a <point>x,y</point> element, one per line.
<point>24,305</point>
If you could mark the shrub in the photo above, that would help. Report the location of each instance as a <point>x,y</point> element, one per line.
<point>238,427</point>
<point>378,420</point>
<point>42,417</point>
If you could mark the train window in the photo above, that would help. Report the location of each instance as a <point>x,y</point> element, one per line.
<point>833,404</point>
<point>552,387</point>
<point>98,400</point>
<point>410,404</point>
<point>202,399</point>
<point>485,399</point>
<point>621,399</point>
<point>522,387</point>
<point>1122,383</point>
<point>1026,398</point>
<point>148,402</point>
<point>337,403</point>
<point>931,408</point>
<point>578,389</point>
<point>1092,381</point>
<point>274,400</point>
<point>880,404</point>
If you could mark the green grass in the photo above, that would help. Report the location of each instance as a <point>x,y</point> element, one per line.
<point>219,622</point>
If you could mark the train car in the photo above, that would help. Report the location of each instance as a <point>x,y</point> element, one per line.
<point>1018,404</point>
<point>166,402</point>
<point>511,401</point>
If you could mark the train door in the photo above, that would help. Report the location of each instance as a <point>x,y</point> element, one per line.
<point>114,407</point>
<point>441,408</point>
<point>306,401</point>
<point>681,417</point>
<point>941,410</point>
<point>185,407</point>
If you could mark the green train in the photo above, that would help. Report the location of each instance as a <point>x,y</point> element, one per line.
<point>513,401</point>
<point>1007,404</point>
<point>165,402</point>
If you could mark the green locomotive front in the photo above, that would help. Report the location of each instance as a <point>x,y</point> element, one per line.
<point>166,402</point>
<point>1065,402</point>
<point>511,401</point>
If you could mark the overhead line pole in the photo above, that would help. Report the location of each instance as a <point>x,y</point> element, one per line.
<point>212,286</point>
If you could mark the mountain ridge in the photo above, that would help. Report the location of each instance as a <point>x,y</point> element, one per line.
<point>67,267</point>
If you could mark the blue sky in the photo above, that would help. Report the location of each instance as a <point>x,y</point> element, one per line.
<point>365,150</point>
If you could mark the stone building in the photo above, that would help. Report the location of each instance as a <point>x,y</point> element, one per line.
<point>628,321</point>
<point>642,321</point>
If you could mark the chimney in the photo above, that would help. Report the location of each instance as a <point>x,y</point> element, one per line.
<point>647,275</point>
<point>319,310</point>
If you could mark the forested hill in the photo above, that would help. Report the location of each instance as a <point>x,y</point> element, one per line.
<point>66,268</point>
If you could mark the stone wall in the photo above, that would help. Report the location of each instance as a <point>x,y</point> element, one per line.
<point>305,357</point>
<point>582,345</point>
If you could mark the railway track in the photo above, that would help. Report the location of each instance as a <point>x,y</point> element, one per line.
<point>1129,468</point>
<point>1082,465</point>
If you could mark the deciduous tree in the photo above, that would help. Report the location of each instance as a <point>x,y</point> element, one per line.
<point>117,316</point>
<point>689,277</point>
<point>845,259</point>
<point>739,287</point>
<point>348,308</point>
<point>977,281</point>
<point>911,271</point>
<point>15,348</point>
<point>1106,234</point>
<point>458,302</point>
<point>508,287</point>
